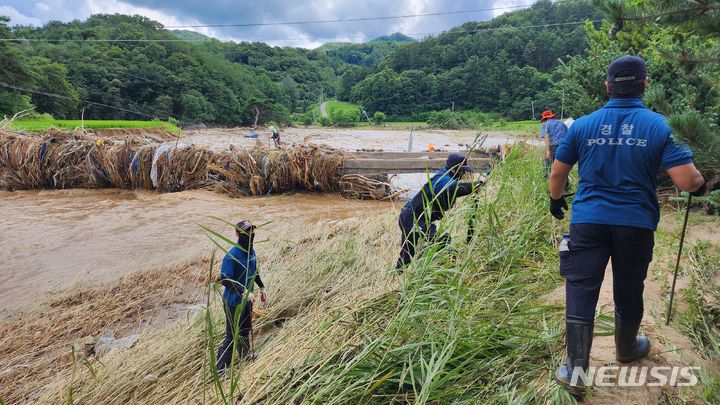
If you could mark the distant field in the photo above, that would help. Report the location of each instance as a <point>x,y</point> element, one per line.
<point>341,106</point>
<point>42,125</point>
<point>528,126</point>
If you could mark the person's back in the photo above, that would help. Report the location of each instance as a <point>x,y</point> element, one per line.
<point>553,133</point>
<point>431,203</point>
<point>426,202</point>
<point>238,266</point>
<point>620,149</point>
<point>555,130</point>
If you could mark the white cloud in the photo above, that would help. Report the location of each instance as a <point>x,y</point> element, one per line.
<point>42,7</point>
<point>17,18</point>
<point>199,12</point>
<point>120,7</point>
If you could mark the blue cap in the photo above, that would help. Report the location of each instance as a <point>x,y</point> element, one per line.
<point>626,70</point>
<point>460,161</point>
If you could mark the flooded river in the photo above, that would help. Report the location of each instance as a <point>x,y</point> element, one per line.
<point>53,239</point>
<point>351,139</point>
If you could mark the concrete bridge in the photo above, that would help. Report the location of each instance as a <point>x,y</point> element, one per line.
<point>374,163</point>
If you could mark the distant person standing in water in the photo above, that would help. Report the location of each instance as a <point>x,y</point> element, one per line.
<point>275,135</point>
<point>238,274</point>
<point>553,132</point>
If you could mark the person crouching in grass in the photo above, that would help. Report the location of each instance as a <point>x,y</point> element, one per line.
<point>238,274</point>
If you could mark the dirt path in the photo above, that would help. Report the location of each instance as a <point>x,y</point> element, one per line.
<point>669,347</point>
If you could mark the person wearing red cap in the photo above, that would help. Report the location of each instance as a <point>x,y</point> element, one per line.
<point>238,274</point>
<point>553,132</point>
<point>619,149</point>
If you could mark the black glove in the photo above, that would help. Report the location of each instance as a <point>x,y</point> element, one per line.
<point>701,191</point>
<point>556,207</point>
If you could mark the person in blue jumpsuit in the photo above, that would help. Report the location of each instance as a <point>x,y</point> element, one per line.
<point>431,203</point>
<point>238,274</point>
<point>619,149</point>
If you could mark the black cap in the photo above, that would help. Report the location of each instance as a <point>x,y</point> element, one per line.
<point>460,161</point>
<point>626,70</point>
<point>245,226</point>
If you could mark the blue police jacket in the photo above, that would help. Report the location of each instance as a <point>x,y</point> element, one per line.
<point>237,265</point>
<point>435,197</point>
<point>620,149</point>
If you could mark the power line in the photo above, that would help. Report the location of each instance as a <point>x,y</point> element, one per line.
<point>43,93</point>
<point>301,38</point>
<point>395,17</point>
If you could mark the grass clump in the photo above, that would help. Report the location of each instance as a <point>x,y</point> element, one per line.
<point>699,315</point>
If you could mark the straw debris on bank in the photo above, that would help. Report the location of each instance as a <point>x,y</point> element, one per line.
<point>75,160</point>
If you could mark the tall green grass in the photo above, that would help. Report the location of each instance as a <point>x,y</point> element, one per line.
<point>69,125</point>
<point>699,315</point>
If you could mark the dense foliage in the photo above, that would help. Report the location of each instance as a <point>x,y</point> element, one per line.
<point>485,66</point>
<point>201,81</point>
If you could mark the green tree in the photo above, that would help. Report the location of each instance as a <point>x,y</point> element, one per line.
<point>51,77</point>
<point>14,71</point>
<point>379,117</point>
<point>196,107</point>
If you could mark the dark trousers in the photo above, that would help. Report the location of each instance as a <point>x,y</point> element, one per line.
<point>226,349</point>
<point>591,246</point>
<point>549,162</point>
<point>411,233</point>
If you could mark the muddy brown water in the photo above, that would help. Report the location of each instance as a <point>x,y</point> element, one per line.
<point>351,139</point>
<point>53,239</point>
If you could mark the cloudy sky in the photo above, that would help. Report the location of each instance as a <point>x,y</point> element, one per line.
<point>206,12</point>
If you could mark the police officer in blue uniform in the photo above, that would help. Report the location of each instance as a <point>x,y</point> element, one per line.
<point>238,273</point>
<point>619,150</point>
<point>431,203</point>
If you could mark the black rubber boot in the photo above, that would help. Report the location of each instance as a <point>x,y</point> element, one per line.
<point>629,346</point>
<point>579,342</point>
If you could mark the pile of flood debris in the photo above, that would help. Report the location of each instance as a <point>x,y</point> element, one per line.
<point>60,160</point>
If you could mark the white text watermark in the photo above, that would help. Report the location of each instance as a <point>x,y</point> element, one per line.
<point>635,376</point>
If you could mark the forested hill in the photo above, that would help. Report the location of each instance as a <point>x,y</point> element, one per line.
<point>487,66</point>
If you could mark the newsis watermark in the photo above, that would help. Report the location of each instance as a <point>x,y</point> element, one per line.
<point>635,376</point>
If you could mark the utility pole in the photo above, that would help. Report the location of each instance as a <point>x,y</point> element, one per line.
<point>562,105</point>
<point>453,106</point>
<point>532,105</point>
<point>365,113</point>
<point>410,141</point>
